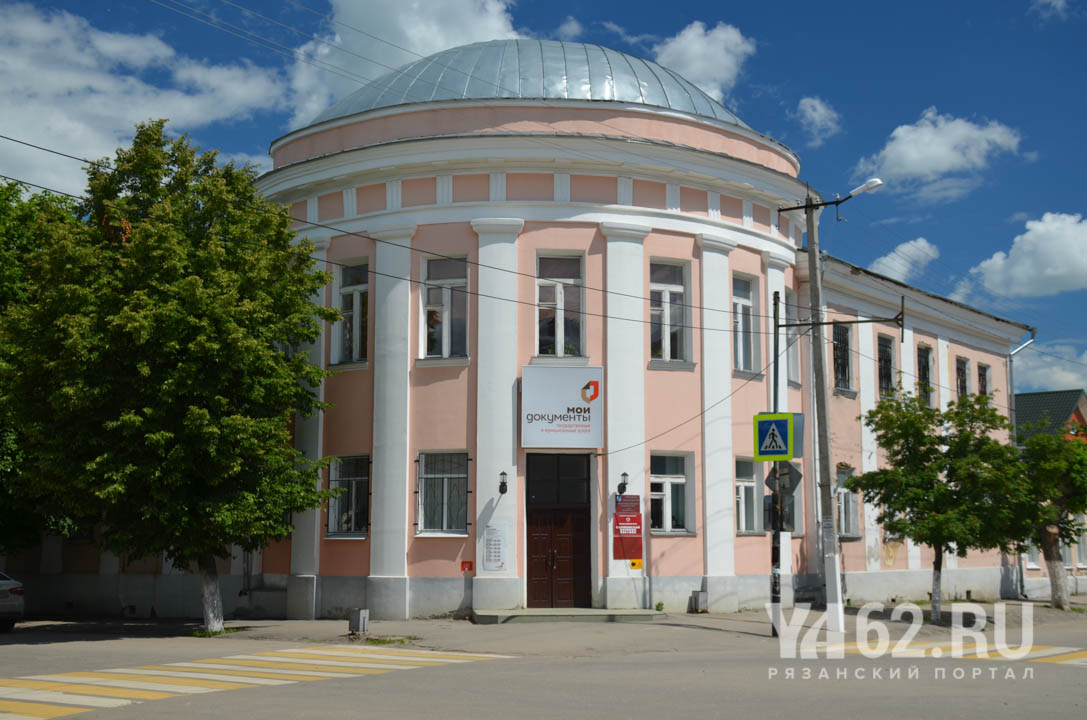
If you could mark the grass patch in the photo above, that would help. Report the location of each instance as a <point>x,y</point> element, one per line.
<point>1079,610</point>
<point>204,633</point>
<point>391,639</point>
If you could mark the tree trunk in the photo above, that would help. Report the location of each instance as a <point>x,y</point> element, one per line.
<point>1054,565</point>
<point>209,594</point>
<point>937,577</point>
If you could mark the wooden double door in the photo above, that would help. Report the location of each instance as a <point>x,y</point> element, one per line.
<point>558,526</point>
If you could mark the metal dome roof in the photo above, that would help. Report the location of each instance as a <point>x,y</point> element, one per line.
<point>532,69</point>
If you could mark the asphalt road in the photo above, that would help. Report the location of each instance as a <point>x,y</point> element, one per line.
<point>679,667</point>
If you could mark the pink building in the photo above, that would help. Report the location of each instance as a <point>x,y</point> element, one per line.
<point>556,265</point>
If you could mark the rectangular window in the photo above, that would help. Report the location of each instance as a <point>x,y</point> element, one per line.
<point>349,512</point>
<point>443,492</point>
<point>1081,543</point>
<point>667,493</point>
<point>983,379</point>
<point>848,516</point>
<point>792,338</point>
<point>668,336</point>
<point>558,306</point>
<point>886,347</point>
<point>354,297</point>
<point>842,365</point>
<point>924,374</point>
<point>748,498</point>
<point>1032,555</point>
<point>962,376</point>
<point>445,308</point>
<point>744,330</point>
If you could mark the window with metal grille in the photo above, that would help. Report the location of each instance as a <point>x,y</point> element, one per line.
<point>445,308</point>
<point>886,365</point>
<point>349,511</point>
<point>842,377</point>
<point>667,334</point>
<point>983,379</point>
<point>924,374</point>
<point>443,492</point>
<point>354,306</point>
<point>962,376</point>
<point>558,306</point>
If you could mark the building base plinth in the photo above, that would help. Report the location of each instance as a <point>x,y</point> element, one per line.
<point>387,597</point>
<point>496,593</point>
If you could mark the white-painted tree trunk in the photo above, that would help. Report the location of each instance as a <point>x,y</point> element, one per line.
<point>209,594</point>
<point>1054,565</point>
<point>937,578</point>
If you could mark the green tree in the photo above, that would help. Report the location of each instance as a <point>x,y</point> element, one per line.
<point>22,218</point>
<point>155,375</point>
<point>949,483</point>
<point>1056,472</point>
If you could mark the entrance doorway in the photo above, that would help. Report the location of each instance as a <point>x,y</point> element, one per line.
<point>558,524</point>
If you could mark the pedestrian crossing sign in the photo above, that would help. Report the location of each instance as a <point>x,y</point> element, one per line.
<point>774,436</point>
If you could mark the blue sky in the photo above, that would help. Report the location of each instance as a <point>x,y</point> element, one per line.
<point>971,112</point>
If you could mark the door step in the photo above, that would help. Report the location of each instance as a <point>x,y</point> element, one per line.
<point>526,615</point>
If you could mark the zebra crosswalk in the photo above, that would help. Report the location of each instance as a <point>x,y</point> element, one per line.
<point>55,695</point>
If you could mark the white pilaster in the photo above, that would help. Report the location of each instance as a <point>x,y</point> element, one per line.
<point>868,392</point>
<point>444,189</point>
<point>496,409</point>
<point>749,214</point>
<point>775,281</point>
<point>625,392</point>
<point>774,230</point>
<point>907,361</point>
<point>947,390</point>
<point>626,191</point>
<point>350,206</point>
<point>393,471</point>
<point>393,195</point>
<point>671,192</point>
<point>714,204</point>
<point>498,187</point>
<point>311,210</point>
<point>306,538</point>
<point>718,469</point>
<point>562,187</point>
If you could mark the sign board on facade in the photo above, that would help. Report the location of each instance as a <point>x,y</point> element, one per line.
<point>494,547</point>
<point>627,536</point>
<point>636,564</point>
<point>774,436</point>
<point>562,407</point>
<point>628,504</point>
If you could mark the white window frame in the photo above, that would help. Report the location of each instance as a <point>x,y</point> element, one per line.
<point>792,337</point>
<point>359,340</point>
<point>852,507</point>
<point>666,495</point>
<point>561,286</point>
<point>447,525</point>
<point>987,371</point>
<point>748,335</point>
<point>447,286</point>
<point>348,497</point>
<point>1081,544</point>
<point>851,375</point>
<point>958,391</point>
<point>754,484</point>
<point>668,353</point>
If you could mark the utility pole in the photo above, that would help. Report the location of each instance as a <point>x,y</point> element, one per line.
<point>832,566</point>
<point>776,516</point>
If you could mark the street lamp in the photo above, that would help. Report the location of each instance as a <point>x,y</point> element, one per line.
<point>832,567</point>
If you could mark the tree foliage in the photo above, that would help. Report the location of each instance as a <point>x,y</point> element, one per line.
<point>154,378</point>
<point>950,482</point>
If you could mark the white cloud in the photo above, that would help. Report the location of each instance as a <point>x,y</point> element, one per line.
<point>263,162</point>
<point>70,86</point>
<point>940,157</point>
<point>422,27</point>
<point>570,29</point>
<point>1037,371</point>
<point>1049,258</point>
<point>1049,8</point>
<point>819,119</point>
<point>907,261</point>
<point>626,37</point>
<point>963,292</point>
<point>712,59</point>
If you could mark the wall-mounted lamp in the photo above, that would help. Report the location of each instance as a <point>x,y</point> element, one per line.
<point>502,486</point>
<point>623,485</point>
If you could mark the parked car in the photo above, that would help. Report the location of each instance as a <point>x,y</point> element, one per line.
<point>11,602</point>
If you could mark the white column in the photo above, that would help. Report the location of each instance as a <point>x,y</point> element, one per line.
<point>869,392</point>
<point>496,410</point>
<point>624,386</point>
<point>908,367</point>
<point>562,187</point>
<point>306,537</point>
<point>393,472</point>
<point>943,360</point>
<point>718,469</point>
<point>775,281</point>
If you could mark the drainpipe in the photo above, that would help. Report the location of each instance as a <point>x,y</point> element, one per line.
<point>1015,439</point>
